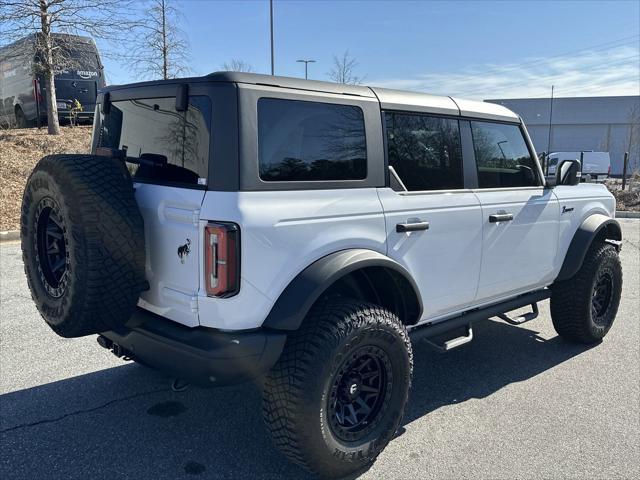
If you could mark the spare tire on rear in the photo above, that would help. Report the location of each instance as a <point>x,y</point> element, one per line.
<point>82,243</point>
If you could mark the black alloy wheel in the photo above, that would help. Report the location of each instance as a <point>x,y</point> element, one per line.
<point>360,393</point>
<point>601,297</point>
<point>51,247</point>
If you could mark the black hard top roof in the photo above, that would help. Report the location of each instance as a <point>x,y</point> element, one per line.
<point>260,79</point>
<point>390,99</point>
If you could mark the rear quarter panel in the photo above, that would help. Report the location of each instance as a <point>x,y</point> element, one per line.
<point>281,234</point>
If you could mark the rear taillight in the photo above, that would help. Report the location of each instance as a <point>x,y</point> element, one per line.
<point>222,259</point>
<point>609,170</point>
<point>37,96</point>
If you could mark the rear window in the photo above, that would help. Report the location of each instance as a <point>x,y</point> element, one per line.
<point>310,141</point>
<point>153,126</point>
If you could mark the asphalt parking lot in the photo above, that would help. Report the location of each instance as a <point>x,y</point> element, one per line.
<point>518,402</point>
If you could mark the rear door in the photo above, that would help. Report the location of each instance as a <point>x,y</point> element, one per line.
<point>433,224</point>
<point>169,194</point>
<point>519,216</point>
<point>70,87</point>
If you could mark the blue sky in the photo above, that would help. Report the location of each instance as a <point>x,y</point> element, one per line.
<point>477,49</point>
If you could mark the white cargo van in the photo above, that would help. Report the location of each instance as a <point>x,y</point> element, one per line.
<point>595,165</point>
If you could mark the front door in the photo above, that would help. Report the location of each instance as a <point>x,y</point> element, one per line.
<point>519,216</point>
<point>434,225</point>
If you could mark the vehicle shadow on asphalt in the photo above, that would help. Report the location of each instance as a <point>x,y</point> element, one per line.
<point>125,422</point>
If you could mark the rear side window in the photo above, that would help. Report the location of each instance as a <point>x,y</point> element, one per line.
<point>310,141</point>
<point>425,151</point>
<point>502,156</point>
<point>153,126</point>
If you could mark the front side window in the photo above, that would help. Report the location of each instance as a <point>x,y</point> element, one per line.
<point>152,126</point>
<point>425,151</point>
<point>502,156</point>
<point>310,141</point>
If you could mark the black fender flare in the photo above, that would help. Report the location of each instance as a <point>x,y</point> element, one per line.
<point>304,290</point>
<point>596,225</point>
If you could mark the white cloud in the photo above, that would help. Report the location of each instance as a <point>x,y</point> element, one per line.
<point>615,71</point>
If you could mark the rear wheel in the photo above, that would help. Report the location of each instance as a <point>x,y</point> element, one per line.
<point>337,395</point>
<point>584,307</point>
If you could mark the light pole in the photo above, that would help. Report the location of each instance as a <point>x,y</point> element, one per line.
<point>550,122</point>
<point>501,150</point>
<point>271,31</point>
<point>306,63</point>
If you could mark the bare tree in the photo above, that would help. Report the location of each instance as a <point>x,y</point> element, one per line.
<point>160,47</point>
<point>43,21</point>
<point>344,70</point>
<point>235,65</point>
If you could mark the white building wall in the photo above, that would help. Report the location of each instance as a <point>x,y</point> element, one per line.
<point>583,123</point>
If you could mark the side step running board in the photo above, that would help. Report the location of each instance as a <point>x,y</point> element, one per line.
<point>468,318</point>
<point>453,343</point>
<point>524,318</point>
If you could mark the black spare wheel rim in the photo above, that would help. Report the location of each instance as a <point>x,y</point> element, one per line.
<point>601,297</point>
<point>52,256</point>
<point>360,393</point>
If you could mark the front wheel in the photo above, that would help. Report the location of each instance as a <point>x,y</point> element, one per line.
<point>337,395</point>
<point>584,307</point>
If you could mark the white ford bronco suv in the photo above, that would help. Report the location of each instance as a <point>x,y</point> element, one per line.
<point>242,226</point>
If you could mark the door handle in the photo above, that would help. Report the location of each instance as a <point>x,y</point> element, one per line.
<point>412,227</point>
<point>500,217</point>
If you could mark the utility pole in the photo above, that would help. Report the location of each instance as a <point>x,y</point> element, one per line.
<point>550,120</point>
<point>271,28</point>
<point>306,64</point>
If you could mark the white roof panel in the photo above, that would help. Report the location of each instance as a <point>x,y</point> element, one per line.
<point>415,101</point>
<point>490,111</point>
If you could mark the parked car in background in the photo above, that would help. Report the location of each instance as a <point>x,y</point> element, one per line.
<point>23,89</point>
<point>595,165</point>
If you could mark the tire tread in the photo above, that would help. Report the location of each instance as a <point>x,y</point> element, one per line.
<point>571,298</point>
<point>285,387</point>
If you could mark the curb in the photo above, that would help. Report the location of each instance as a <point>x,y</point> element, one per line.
<point>9,236</point>
<point>624,214</point>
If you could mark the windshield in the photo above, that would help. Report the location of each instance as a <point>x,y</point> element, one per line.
<point>152,128</point>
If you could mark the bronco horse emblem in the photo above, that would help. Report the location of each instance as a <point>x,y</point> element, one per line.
<point>184,250</point>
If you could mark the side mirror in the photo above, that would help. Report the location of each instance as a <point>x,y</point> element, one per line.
<point>568,172</point>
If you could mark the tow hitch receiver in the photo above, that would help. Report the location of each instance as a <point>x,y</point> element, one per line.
<point>116,349</point>
<point>520,319</point>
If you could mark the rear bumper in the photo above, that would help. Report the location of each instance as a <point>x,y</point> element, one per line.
<point>200,355</point>
<point>81,116</point>
<point>65,116</point>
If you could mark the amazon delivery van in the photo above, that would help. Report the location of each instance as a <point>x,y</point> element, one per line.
<point>23,89</point>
